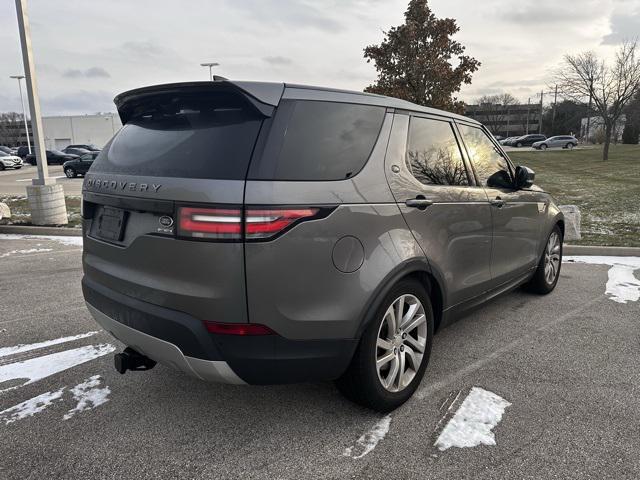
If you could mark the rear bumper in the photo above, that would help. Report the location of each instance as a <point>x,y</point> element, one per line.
<point>181,341</point>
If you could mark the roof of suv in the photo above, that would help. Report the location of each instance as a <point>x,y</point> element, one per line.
<point>270,93</point>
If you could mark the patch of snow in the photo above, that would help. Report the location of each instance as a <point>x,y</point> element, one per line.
<point>64,240</point>
<point>473,422</point>
<point>622,285</point>
<point>30,407</point>
<point>369,439</point>
<point>6,351</point>
<point>37,368</point>
<point>88,396</point>
<point>29,250</point>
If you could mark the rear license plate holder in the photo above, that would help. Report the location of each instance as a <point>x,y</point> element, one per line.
<point>111,224</point>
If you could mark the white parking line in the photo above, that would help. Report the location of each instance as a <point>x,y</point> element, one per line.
<point>368,440</point>
<point>6,351</point>
<point>29,179</point>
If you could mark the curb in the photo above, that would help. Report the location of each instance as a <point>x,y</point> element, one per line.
<point>29,230</point>
<point>598,250</point>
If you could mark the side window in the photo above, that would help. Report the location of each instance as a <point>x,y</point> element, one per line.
<point>491,167</point>
<point>433,155</point>
<point>314,140</point>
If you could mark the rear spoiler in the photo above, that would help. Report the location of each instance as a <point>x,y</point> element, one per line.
<point>263,96</point>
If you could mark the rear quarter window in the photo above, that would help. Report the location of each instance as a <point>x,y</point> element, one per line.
<point>315,140</point>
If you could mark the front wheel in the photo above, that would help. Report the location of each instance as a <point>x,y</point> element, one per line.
<point>70,172</point>
<point>394,350</point>
<point>518,145</point>
<point>546,276</point>
<point>543,146</point>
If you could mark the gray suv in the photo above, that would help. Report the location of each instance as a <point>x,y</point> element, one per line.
<point>259,233</point>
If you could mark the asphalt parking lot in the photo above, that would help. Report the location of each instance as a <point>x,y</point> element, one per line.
<point>13,182</point>
<point>564,365</point>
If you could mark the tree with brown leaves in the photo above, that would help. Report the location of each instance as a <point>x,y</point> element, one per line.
<point>415,60</point>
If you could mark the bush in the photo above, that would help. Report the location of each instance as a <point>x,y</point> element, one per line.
<point>630,134</point>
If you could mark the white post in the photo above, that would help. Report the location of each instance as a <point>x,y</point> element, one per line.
<point>46,198</point>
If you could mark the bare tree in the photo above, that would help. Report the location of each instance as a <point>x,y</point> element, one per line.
<point>11,128</point>
<point>608,87</point>
<point>495,109</point>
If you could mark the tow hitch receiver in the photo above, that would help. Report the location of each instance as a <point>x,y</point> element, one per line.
<point>132,360</point>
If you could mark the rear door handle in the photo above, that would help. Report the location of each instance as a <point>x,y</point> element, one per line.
<point>497,202</point>
<point>419,203</point>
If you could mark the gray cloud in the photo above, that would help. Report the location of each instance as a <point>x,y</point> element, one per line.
<point>278,61</point>
<point>623,27</point>
<point>78,102</point>
<point>93,72</point>
<point>544,12</point>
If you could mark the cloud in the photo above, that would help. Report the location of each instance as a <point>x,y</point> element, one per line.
<point>545,12</point>
<point>93,72</point>
<point>79,102</point>
<point>278,61</point>
<point>623,27</point>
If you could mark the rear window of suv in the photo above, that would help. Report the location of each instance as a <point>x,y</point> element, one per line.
<point>185,135</point>
<point>315,140</point>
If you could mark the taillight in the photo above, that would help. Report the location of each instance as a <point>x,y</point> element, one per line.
<point>231,224</point>
<point>265,223</point>
<point>213,223</point>
<point>238,328</point>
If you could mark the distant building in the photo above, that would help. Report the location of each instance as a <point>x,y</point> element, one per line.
<point>60,131</point>
<point>597,123</point>
<point>506,120</point>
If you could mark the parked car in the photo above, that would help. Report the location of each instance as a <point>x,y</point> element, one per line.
<point>23,152</point>
<point>527,140</point>
<point>75,151</point>
<point>53,157</point>
<point>79,166</point>
<point>508,141</point>
<point>9,161</point>
<point>6,150</point>
<point>330,246</point>
<point>86,146</point>
<point>499,138</point>
<point>559,141</point>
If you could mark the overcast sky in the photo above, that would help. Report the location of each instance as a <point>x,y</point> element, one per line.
<point>87,51</point>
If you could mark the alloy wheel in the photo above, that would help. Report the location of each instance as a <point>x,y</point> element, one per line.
<point>552,258</point>
<point>401,343</point>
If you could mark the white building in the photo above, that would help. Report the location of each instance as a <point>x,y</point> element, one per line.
<point>61,131</point>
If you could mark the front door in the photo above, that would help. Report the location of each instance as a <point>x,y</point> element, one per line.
<point>516,213</point>
<point>447,212</point>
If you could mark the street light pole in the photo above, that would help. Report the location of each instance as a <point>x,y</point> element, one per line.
<point>24,112</point>
<point>32,93</point>
<point>210,65</point>
<point>45,196</point>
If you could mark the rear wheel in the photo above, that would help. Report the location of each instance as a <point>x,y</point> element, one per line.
<point>394,350</point>
<point>70,172</point>
<point>518,145</point>
<point>1,167</point>
<point>546,276</point>
<point>570,146</point>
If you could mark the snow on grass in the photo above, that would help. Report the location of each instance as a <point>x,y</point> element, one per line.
<point>88,395</point>
<point>22,252</point>
<point>622,285</point>
<point>473,422</point>
<point>30,407</point>
<point>71,241</point>
<point>34,369</point>
<point>369,439</point>
<point>6,351</point>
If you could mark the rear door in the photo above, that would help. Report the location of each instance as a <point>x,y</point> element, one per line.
<point>163,201</point>
<point>448,213</point>
<point>515,213</point>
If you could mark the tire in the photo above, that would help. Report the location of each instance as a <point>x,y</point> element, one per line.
<point>362,383</point>
<point>518,145</point>
<point>543,146</point>
<point>570,146</point>
<point>70,172</point>
<point>1,167</point>
<point>541,282</point>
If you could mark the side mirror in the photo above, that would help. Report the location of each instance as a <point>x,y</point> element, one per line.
<point>524,177</point>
